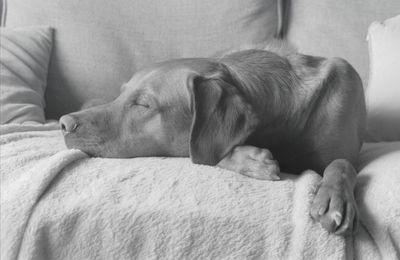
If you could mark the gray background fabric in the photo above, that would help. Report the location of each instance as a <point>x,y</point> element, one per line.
<point>99,44</point>
<point>338,28</point>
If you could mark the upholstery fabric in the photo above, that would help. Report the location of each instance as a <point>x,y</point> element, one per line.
<point>99,44</point>
<point>378,200</point>
<point>383,94</point>
<point>24,60</point>
<point>338,28</point>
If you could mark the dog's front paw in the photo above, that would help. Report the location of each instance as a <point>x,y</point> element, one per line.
<point>335,209</point>
<point>253,162</point>
<point>263,169</point>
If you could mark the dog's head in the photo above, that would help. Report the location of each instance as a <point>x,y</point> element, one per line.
<point>169,110</point>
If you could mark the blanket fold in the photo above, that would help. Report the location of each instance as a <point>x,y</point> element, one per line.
<point>20,192</point>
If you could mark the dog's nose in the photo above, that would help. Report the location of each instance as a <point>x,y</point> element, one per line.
<point>68,124</point>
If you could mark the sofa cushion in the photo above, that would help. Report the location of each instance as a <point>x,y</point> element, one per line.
<point>24,60</point>
<point>338,28</point>
<point>383,94</point>
<point>99,44</point>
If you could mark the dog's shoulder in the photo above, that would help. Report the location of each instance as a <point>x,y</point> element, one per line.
<point>324,73</point>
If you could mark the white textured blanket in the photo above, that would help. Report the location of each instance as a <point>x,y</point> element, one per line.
<point>378,199</point>
<point>60,204</point>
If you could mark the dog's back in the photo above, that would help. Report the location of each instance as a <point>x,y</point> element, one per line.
<point>312,109</point>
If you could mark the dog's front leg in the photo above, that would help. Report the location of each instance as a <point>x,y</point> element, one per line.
<point>334,205</point>
<point>251,161</point>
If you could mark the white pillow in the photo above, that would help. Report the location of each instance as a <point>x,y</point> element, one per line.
<point>383,93</point>
<point>378,201</point>
<point>24,60</point>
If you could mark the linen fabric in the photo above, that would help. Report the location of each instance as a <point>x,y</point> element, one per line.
<point>24,60</point>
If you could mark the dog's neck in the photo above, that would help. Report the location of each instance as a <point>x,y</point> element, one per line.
<point>278,83</point>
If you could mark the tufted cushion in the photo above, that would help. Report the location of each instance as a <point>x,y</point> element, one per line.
<point>99,44</point>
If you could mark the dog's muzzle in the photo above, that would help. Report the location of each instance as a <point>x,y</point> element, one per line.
<point>68,124</point>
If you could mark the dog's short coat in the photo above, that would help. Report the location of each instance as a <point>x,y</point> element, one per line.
<point>236,112</point>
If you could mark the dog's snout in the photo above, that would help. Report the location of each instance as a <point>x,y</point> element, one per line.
<point>68,124</point>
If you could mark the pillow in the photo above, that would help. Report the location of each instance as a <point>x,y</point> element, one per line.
<point>24,60</point>
<point>378,200</point>
<point>383,93</point>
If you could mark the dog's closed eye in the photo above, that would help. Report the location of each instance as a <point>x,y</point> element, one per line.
<point>142,101</point>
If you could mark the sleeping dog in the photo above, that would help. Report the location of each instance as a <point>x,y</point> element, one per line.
<point>244,112</point>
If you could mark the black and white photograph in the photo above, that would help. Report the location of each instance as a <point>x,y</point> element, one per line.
<point>199,129</point>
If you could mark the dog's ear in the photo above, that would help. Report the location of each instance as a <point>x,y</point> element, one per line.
<point>222,119</point>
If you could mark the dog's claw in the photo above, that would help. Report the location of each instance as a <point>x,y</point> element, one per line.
<point>337,217</point>
<point>335,210</point>
<point>350,222</point>
<point>275,177</point>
